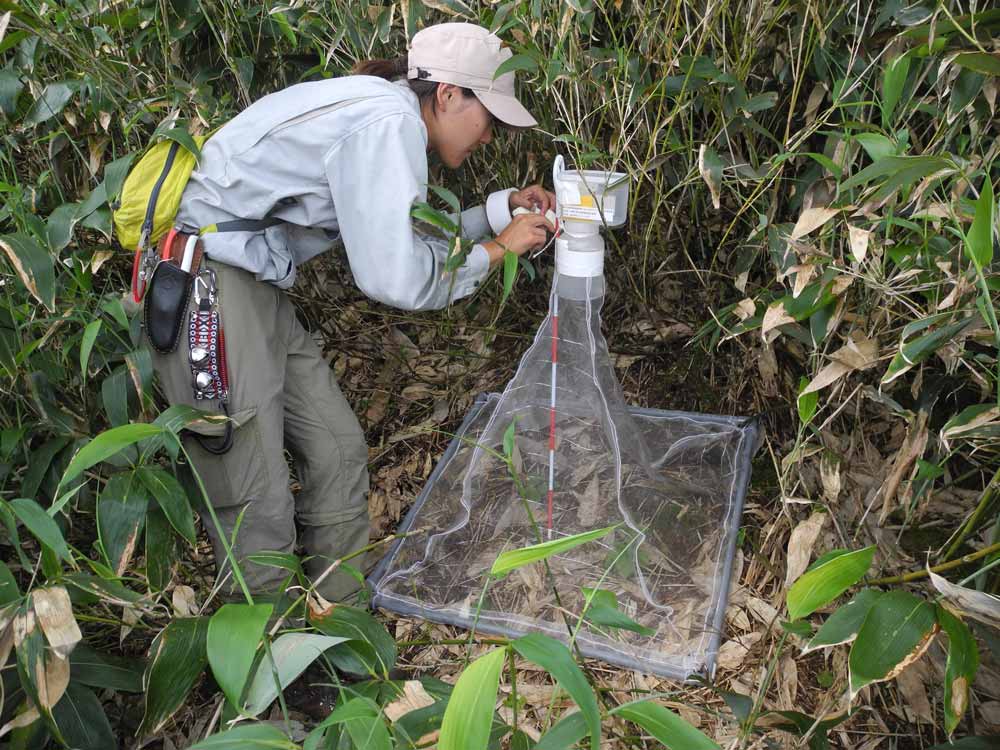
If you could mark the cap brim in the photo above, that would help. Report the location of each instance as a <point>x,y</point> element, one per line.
<point>507,109</point>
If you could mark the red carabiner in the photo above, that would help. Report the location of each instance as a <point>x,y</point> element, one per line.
<point>136,293</point>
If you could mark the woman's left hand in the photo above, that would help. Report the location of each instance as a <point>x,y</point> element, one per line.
<point>533,196</point>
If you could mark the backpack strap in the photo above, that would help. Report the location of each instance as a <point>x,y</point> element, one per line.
<point>241,225</point>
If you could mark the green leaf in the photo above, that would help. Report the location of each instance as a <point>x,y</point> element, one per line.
<point>508,439</point>
<point>876,145</point>
<point>34,266</point>
<point>106,671</point>
<point>980,62</point>
<point>247,737</point>
<point>800,628</point>
<point>95,588</point>
<point>82,721</point>
<point>292,653</point>
<point>740,705</point>
<point>801,724</point>
<point>893,80</point>
<point>806,402</point>
<point>59,226</point>
<point>826,162</point>
<point>516,62</point>
<point>897,629</point>
<point>114,176</point>
<point>517,558</point>
<point>556,659</point>
<point>177,659</point>
<point>52,101</point>
<point>234,633</point>
<point>183,137</point>
<point>363,721</point>
<point>161,551</point>
<point>370,649</point>
<point>423,212</point>
<point>963,663</point>
<point>90,334</point>
<point>760,102</point>
<point>665,726</point>
<point>979,240</point>
<point>369,732</point>
<point>106,445</point>
<point>173,500</point>
<point>121,514</point>
<point>564,735</point>
<point>510,267</point>
<point>41,525</point>
<point>843,625</point>
<point>39,464</point>
<point>448,197</point>
<point>964,91</point>
<point>824,583</point>
<point>909,168</point>
<point>914,351</point>
<point>603,610</point>
<point>10,88</point>
<point>9,592</point>
<point>469,715</point>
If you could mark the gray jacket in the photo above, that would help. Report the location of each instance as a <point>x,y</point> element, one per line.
<point>343,158</point>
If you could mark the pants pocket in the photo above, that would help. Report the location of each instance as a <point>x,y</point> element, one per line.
<point>240,474</point>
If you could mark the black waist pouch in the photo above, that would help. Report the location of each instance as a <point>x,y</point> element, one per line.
<point>165,304</point>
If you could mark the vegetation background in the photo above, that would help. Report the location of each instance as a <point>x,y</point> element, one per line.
<point>811,239</point>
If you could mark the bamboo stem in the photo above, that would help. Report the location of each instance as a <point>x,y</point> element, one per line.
<point>918,574</point>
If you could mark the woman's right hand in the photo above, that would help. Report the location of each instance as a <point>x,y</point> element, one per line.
<point>526,232</point>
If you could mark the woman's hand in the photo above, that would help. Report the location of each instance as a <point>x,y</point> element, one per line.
<point>533,196</point>
<point>526,232</point>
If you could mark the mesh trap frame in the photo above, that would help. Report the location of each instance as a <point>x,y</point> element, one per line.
<point>699,662</point>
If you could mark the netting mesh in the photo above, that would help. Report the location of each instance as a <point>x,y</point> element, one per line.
<point>673,483</point>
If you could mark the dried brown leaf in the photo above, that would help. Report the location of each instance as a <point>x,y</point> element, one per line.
<point>803,275</point>
<point>829,474</point>
<point>710,179</point>
<point>745,308</point>
<point>912,449</point>
<point>55,616</point>
<point>976,604</point>
<point>99,259</point>
<point>816,97</point>
<point>776,315</point>
<point>911,685</point>
<point>414,697</point>
<point>51,679</point>
<point>859,239</point>
<point>184,601</point>
<point>21,720</point>
<point>26,278</point>
<point>812,219</point>
<point>800,545</point>
<point>23,626</point>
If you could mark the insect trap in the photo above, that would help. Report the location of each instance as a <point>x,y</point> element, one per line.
<point>559,454</point>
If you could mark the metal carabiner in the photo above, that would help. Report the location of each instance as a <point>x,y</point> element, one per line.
<point>204,286</point>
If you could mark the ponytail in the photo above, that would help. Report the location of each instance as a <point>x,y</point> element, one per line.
<point>387,69</point>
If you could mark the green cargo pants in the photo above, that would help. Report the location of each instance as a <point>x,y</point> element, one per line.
<point>282,394</point>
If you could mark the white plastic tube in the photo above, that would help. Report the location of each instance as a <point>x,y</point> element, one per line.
<point>578,263</point>
<point>188,256</point>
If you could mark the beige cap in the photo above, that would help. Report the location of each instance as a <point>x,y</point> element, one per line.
<point>467,55</point>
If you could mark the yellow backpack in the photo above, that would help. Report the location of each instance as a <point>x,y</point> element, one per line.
<point>152,193</point>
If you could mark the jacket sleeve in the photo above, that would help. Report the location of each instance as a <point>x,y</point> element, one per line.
<point>492,218</point>
<point>376,173</point>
